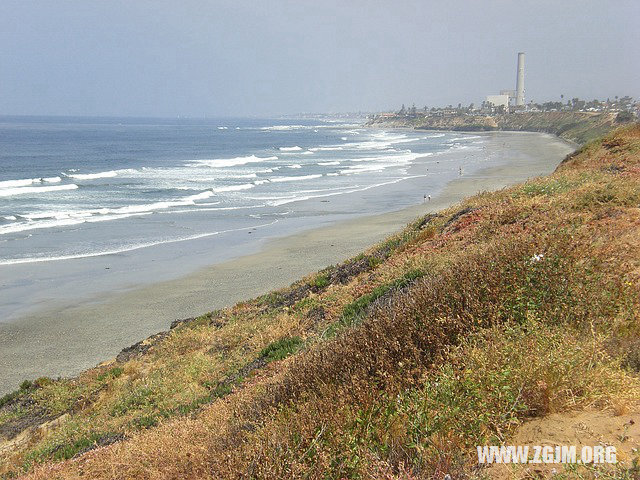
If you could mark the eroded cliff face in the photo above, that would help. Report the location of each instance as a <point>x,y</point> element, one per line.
<point>578,127</point>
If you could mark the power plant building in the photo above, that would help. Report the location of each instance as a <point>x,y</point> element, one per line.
<point>499,101</point>
<point>511,98</point>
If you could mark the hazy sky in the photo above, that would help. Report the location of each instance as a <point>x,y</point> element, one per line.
<point>262,57</point>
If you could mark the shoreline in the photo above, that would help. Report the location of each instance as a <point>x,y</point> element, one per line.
<point>66,340</point>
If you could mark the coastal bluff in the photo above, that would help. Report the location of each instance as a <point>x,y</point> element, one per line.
<point>577,127</point>
<point>495,320</point>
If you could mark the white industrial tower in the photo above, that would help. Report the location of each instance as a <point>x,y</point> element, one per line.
<point>520,81</point>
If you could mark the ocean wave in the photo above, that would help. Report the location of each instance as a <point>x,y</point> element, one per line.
<point>248,175</point>
<point>219,209</point>
<point>284,201</point>
<point>9,192</point>
<point>233,188</point>
<point>295,165</point>
<point>93,176</point>
<point>128,248</point>
<point>223,128</point>
<point>28,181</point>
<point>229,162</point>
<point>406,157</point>
<point>379,142</point>
<point>362,169</point>
<point>51,219</point>
<point>290,149</point>
<point>470,137</point>
<point>293,179</point>
<point>284,127</point>
<point>60,222</point>
<point>326,164</point>
<point>326,149</point>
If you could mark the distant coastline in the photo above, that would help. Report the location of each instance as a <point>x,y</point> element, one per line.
<point>576,127</point>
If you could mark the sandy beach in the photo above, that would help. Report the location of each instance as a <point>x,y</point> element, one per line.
<point>62,340</point>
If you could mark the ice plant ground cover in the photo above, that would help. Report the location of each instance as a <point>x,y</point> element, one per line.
<point>459,331</point>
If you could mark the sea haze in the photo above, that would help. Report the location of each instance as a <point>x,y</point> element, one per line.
<point>186,193</point>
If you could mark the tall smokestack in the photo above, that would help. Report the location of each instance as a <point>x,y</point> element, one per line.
<point>520,81</point>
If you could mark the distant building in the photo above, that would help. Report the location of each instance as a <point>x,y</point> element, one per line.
<point>511,94</point>
<point>499,100</point>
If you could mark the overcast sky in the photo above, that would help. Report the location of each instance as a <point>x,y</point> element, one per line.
<point>269,57</point>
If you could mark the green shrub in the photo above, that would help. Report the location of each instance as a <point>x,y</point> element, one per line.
<point>354,311</point>
<point>281,348</point>
<point>114,372</point>
<point>321,281</point>
<point>26,385</point>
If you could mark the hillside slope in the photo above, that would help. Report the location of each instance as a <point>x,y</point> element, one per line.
<point>459,331</point>
<point>578,127</point>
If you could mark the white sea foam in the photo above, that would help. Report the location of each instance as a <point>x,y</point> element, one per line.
<point>295,165</point>
<point>93,176</point>
<point>9,192</point>
<point>326,149</point>
<point>58,222</point>
<point>329,163</point>
<point>229,162</point>
<point>300,198</point>
<point>284,127</point>
<point>294,179</point>
<point>51,219</point>
<point>404,157</point>
<point>362,169</point>
<point>290,149</point>
<point>222,128</point>
<point>470,137</point>
<point>220,209</point>
<point>28,181</point>
<point>17,183</point>
<point>127,248</point>
<point>233,188</point>
<point>295,127</point>
<point>51,180</point>
<point>343,192</point>
<point>380,141</point>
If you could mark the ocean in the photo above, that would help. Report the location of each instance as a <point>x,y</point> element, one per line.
<point>186,193</point>
<point>72,188</point>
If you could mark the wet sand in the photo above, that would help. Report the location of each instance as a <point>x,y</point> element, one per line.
<point>63,340</point>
